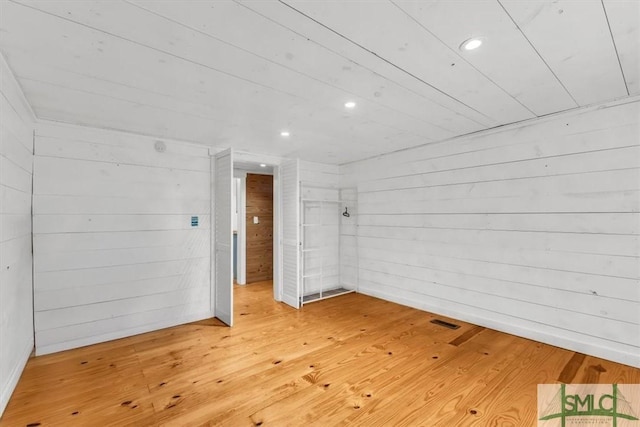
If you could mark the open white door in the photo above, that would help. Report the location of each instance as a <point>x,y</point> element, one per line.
<point>223,236</point>
<point>289,175</point>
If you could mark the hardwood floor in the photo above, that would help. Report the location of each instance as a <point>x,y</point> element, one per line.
<point>350,360</point>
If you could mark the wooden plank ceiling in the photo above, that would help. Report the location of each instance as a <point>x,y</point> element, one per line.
<point>237,73</point>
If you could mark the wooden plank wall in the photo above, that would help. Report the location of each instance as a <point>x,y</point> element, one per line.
<point>532,229</point>
<point>16,172</point>
<point>115,253</point>
<point>259,196</point>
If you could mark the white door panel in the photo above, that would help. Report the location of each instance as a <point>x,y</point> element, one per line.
<point>289,173</point>
<point>223,236</point>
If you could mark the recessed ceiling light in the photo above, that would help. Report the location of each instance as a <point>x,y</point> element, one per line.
<point>471,44</point>
<point>285,133</point>
<point>350,104</point>
<point>262,165</point>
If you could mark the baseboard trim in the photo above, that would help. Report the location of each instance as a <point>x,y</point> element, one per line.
<point>14,377</point>
<point>82,342</point>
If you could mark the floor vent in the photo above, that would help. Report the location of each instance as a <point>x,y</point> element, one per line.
<point>445,324</point>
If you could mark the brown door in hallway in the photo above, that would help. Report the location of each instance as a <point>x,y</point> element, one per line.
<point>259,236</point>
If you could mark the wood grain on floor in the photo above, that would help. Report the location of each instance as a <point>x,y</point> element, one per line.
<point>349,360</point>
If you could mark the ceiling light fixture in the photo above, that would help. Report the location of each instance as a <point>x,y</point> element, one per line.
<point>471,44</point>
<point>350,104</point>
<point>262,165</point>
<point>285,133</point>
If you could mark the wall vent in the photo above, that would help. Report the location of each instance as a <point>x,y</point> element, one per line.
<point>445,324</point>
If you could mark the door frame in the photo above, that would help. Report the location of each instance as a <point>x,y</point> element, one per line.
<point>241,249</point>
<point>277,234</point>
<point>274,162</point>
<point>277,227</point>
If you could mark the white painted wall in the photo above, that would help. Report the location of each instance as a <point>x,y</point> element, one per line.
<point>114,250</point>
<point>531,229</point>
<point>16,170</point>
<point>349,239</point>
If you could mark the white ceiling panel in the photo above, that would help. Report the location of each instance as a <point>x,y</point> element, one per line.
<point>315,32</point>
<point>624,20</point>
<point>380,27</point>
<point>236,73</point>
<point>507,58</point>
<point>278,44</point>
<point>574,39</point>
<point>198,50</point>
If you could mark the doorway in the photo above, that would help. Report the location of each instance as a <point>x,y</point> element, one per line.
<point>259,228</point>
<point>225,166</point>
<point>256,223</point>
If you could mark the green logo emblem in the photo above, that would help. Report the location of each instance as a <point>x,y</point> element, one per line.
<point>590,401</point>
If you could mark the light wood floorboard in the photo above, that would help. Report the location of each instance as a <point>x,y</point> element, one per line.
<point>349,360</point>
